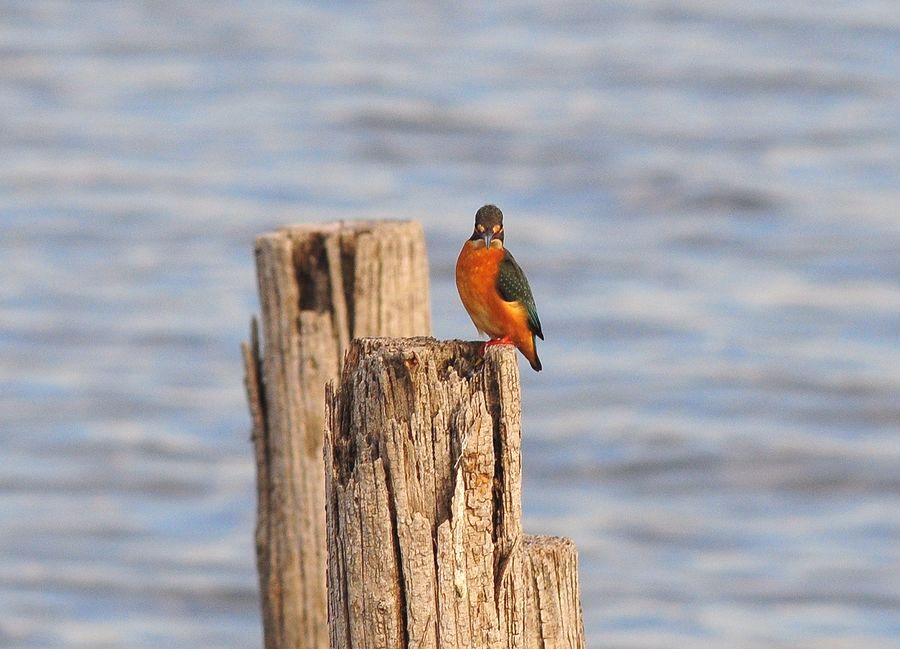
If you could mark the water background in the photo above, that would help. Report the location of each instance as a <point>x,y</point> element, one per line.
<point>704,194</point>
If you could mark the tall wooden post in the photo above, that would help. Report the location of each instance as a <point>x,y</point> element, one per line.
<point>320,286</point>
<point>423,479</point>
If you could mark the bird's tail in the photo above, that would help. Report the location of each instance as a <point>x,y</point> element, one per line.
<point>531,355</point>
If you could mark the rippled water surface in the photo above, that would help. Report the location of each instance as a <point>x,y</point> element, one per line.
<point>705,196</point>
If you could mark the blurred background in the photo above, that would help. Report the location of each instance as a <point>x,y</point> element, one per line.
<point>706,198</point>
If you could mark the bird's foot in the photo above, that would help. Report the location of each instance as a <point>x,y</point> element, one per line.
<point>505,340</point>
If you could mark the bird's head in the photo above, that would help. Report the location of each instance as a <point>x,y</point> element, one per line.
<point>488,226</point>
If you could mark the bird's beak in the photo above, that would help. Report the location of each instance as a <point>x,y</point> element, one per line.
<point>488,237</point>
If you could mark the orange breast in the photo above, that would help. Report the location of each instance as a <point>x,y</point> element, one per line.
<point>476,280</point>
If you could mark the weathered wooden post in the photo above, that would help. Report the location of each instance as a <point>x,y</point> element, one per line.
<point>553,617</point>
<point>320,286</point>
<point>423,475</point>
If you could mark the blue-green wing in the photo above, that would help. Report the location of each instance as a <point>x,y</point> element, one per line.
<point>513,286</point>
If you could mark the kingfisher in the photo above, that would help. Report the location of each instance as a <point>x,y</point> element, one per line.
<point>494,290</point>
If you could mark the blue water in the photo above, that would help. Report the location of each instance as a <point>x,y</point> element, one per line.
<point>705,196</point>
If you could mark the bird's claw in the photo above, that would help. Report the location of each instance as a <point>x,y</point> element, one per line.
<point>505,340</point>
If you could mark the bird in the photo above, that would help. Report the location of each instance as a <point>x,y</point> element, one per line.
<point>494,290</point>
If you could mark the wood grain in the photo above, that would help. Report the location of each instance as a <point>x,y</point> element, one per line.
<point>423,479</point>
<point>319,286</point>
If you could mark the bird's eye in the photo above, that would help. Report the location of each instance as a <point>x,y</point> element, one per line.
<point>479,227</point>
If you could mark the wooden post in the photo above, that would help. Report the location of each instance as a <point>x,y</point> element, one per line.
<point>423,480</point>
<point>320,286</point>
<point>553,608</point>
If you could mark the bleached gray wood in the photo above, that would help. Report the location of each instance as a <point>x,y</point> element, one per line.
<point>319,286</point>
